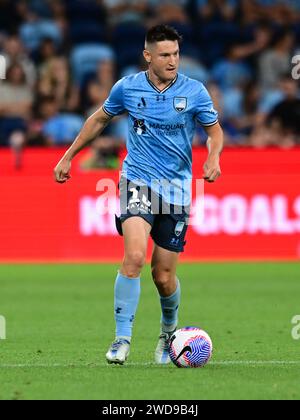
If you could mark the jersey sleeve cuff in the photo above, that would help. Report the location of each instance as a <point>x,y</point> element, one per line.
<point>211,124</point>
<point>107,112</point>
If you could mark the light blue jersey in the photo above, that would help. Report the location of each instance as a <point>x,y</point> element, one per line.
<point>161,130</point>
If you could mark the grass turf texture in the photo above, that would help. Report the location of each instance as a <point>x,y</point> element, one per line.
<point>60,324</point>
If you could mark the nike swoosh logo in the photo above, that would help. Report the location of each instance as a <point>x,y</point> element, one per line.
<point>184,350</point>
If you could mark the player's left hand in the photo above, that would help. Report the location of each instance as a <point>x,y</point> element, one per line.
<point>62,171</point>
<point>212,169</point>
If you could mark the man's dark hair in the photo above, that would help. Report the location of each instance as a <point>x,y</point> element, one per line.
<point>160,33</point>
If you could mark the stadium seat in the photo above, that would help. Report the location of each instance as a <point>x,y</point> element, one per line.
<point>84,10</point>
<point>214,38</point>
<point>128,40</point>
<point>32,33</point>
<point>85,59</point>
<point>185,30</point>
<point>86,31</point>
<point>63,128</point>
<point>126,33</point>
<point>129,70</point>
<point>8,125</point>
<point>194,70</point>
<point>40,8</point>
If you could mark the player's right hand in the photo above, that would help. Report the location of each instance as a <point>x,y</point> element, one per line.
<point>211,169</point>
<point>62,171</point>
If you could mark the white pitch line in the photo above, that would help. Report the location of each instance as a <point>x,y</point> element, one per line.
<point>256,362</point>
<point>98,365</point>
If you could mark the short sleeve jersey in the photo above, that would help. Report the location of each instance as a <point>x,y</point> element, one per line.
<point>161,130</point>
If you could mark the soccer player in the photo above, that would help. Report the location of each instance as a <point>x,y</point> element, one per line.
<point>163,108</point>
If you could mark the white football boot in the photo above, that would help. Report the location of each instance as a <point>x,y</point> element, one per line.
<point>161,355</point>
<point>118,351</point>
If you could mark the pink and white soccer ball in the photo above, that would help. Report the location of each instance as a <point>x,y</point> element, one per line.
<point>190,347</point>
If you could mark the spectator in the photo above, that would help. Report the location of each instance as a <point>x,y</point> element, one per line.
<point>284,119</point>
<point>217,9</point>
<point>168,11</point>
<point>59,14</point>
<point>251,49</point>
<point>15,103</point>
<point>282,12</point>
<point>293,7</point>
<point>55,80</point>
<point>45,52</point>
<point>14,52</point>
<point>282,126</point>
<point>106,74</point>
<point>276,61</point>
<point>44,109</point>
<point>15,94</point>
<point>44,9</point>
<point>231,72</point>
<point>125,11</point>
<point>241,109</point>
<point>96,95</point>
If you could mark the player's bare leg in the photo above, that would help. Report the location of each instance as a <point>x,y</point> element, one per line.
<point>164,265</point>
<point>127,287</point>
<point>136,233</point>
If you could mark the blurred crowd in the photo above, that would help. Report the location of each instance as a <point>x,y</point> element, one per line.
<point>63,56</point>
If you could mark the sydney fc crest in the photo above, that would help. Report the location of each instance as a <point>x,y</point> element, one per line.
<point>179,228</point>
<point>180,104</point>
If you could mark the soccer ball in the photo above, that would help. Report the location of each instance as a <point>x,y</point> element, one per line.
<point>190,347</point>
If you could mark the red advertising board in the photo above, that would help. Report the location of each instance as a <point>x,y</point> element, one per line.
<point>251,212</point>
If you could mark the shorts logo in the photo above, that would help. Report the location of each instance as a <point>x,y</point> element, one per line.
<point>174,242</point>
<point>139,127</point>
<point>179,228</point>
<point>180,104</point>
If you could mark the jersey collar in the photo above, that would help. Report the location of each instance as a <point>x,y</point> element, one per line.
<point>155,88</point>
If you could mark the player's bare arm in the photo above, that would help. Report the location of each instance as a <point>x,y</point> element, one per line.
<point>91,129</point>
<point>215,142</point>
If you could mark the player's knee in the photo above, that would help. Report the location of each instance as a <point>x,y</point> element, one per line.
<point>134,262</point>
<point>137,258</point>
<point>162,276</point>
<point>165,280</point>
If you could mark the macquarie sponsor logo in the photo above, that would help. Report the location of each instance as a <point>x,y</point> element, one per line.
<point>235,215</point>
<point>168,128</point>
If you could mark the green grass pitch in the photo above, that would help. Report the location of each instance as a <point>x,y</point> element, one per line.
<point>59,321</point>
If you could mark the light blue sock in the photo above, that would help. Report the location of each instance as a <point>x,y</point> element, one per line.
<point>169,307</point>
<point>127,296</point>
